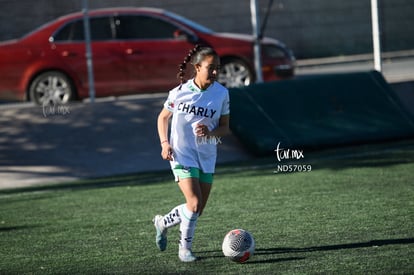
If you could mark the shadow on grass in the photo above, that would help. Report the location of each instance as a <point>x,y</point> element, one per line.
<point>276,260</point>
<point>218,254</point>
<point>284,250</point>
<point>14,228</point>
<point>103,182</point>
<point>373,243</point>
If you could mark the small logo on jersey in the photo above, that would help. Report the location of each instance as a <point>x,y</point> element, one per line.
<point>170,105</point>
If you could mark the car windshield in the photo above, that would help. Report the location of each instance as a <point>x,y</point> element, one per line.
<point>189,22</point>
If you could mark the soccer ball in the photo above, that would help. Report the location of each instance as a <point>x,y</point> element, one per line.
<point>238,245</point>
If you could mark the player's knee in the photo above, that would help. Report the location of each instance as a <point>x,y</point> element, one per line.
<point>194,205</point>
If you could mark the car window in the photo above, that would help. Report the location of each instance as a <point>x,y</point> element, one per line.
<point>143,27</point>
<point>74,31</point>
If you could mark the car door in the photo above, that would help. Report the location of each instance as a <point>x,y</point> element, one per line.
<point>110,74</point>
<point>153,51</point>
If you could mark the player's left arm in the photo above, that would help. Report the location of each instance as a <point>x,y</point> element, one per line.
<point>223,127</point>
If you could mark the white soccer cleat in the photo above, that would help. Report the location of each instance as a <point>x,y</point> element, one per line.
<point>161,236</point>
<point>186,255</point>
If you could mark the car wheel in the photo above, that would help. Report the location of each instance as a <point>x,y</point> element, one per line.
<point>235,73</point>
<point>51,88</point>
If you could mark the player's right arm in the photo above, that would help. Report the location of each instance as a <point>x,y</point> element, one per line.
<point>162,125</point>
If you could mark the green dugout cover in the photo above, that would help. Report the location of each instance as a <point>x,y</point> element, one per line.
<point>318,111</point>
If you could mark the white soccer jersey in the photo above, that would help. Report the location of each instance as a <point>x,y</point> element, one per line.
<point>190,106</point>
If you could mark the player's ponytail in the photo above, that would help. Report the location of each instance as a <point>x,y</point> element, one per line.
<point>183,65</point>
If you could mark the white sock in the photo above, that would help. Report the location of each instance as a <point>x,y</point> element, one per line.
<point>173,217</point>
<point>187,227</point>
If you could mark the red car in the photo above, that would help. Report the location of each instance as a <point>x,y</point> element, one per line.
<point>135,50</point>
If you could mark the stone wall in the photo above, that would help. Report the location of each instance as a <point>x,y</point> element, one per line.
<point>313,28</point>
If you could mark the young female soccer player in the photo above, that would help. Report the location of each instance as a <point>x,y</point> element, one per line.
<point>200,111</point>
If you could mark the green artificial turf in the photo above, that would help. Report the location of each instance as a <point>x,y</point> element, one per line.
<point>352,214</point>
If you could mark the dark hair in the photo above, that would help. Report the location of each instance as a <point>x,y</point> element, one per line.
<point>194,56</point>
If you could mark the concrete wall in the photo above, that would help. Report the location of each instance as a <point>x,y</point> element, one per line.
<point>312,28</point>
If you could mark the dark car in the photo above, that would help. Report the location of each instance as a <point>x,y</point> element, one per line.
<point>135,50</point>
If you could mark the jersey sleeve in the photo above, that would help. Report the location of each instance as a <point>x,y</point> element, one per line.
<point>225,109</point>
<point>170,102</point>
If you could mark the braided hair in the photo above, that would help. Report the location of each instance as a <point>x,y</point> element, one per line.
<point>194,56</point>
